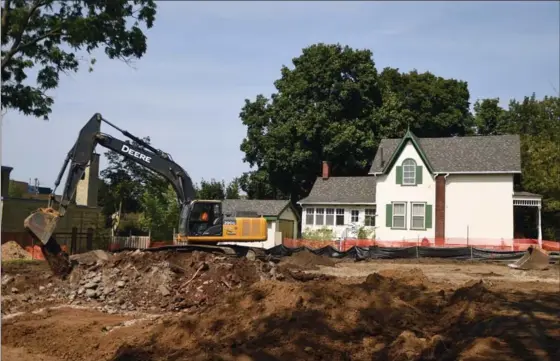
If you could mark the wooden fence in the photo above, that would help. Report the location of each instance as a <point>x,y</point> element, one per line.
<point>136,242</point>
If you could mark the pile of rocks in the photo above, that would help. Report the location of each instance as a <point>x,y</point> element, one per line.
<point>161,281</point>
<point>140,281</point>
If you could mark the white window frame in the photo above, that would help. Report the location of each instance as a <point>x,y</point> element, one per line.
<point>393,215</point>
<point>369,213</point>
<point>329,217</point>
<point>339,213</point>
<point>423,216</point>
<point>319,216</point>
<point>354,215</point>
<point>409,175</point>
<point>310,212</point>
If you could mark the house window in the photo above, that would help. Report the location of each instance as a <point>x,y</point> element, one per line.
<point>329,219</point>
<point>418,216</point>
<point>340,216</point>
<point>399,215</point>
<point>409,172</point>
<point>354,215</point>
<point>370,217</point>
<point>319,216</point>
<point>309,214</point>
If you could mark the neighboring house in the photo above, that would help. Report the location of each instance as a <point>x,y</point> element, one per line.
<point>434,188</point>
<point>282,218</point>
<point>339,202</point>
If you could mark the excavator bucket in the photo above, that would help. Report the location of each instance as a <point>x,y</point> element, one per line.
<point>534,259</point>
<point>41,224</point>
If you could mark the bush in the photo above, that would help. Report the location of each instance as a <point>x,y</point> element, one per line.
<point>323,234</point>
<point>366,233</point>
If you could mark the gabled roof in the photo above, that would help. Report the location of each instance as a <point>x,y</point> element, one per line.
<point>354,190</point>
<point>261,207</point>
<point>484,154</point>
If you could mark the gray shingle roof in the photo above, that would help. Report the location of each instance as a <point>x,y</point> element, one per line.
<point>342,190</point>
<point>259,206</point>
<point>527,194</point>
<point>498,153</point>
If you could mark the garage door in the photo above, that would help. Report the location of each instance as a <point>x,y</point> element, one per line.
<point>287,228</point>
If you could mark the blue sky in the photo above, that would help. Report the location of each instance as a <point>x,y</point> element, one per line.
<point>205,58</point>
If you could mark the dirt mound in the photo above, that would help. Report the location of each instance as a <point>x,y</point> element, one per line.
<point>262,312</point>
<point>143,281</point>
<point>13,251</point>
<point>307,260</point>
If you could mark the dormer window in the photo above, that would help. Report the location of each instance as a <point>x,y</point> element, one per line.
<point>409,173</point>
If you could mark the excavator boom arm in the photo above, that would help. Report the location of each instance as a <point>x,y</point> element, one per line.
<point>42,223</point>
<point>142,153</point>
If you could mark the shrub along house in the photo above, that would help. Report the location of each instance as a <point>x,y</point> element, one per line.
<point>443,189</point>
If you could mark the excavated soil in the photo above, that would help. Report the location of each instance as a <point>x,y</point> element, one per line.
<point>255,310</point>
<point>12,251</point>
<point>138,281</point>
<point>308,260</point>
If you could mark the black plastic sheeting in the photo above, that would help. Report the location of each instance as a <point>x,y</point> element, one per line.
<point>363,253</point>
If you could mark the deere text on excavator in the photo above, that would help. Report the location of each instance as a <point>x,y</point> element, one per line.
<point>202,223</point>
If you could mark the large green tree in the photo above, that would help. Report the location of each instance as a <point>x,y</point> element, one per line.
<point>489,116</point>
<point>53,36</point>
<point>323,110</point>
<point>332,105</point>
<point>429,105</point>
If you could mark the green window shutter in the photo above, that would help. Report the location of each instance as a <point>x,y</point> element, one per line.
<point>399,174</point>
<point>428,216</point>
<point>418,174</point>
<point>389,215</point>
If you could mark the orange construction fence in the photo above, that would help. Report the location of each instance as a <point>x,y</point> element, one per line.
<point>490,244</point>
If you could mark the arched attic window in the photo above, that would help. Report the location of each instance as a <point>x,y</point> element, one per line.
<point>409,172</point>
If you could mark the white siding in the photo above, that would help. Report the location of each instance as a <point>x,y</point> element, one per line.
<point>338,230</point>
<point>389,191</point>
<point>483,203</point>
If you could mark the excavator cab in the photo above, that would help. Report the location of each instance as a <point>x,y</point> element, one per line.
<point>205,219</point>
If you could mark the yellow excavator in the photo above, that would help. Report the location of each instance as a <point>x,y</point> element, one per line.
<point>202,223</point>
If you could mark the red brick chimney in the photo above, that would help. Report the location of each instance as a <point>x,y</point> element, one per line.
<point>326,170</point>
<point>440,210</point>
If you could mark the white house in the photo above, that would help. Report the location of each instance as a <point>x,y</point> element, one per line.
<point>282,218</point>
<point>444,189</point>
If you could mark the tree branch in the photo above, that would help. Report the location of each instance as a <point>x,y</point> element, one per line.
<point>17,38</point>
<point>5,13</point>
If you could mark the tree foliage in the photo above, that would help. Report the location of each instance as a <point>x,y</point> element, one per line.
<point>50,35</point>
<point>160,213</point>
<point>125,181</point>
<point>212,189</point>
<point>429,105</point>
<point>232,189</point>
<point>332,105</point>
<point>489,116</point>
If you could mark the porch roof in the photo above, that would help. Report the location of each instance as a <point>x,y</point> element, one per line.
<point>526,199</point>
